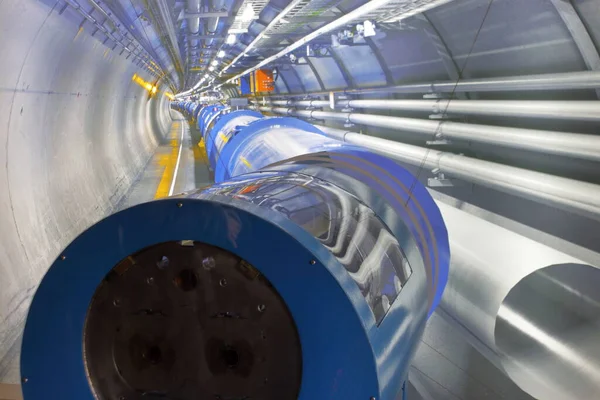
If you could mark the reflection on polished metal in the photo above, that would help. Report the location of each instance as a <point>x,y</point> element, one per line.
<point>492,277</point>
<point>186,331</point>
<point>349,229</point>
<point>547,332</point>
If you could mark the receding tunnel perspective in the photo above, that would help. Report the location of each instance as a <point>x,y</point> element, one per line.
<point>300,200</point>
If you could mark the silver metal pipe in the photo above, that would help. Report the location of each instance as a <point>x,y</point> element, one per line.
<point>568,144</point>
<point>575,196</point>
<point>213,23</point>
<point>571,110</point>
<point>193,6</point>
<point>506,288</point>
<point>559,81</point>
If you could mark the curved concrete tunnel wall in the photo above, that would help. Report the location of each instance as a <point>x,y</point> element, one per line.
<point>75,132</point>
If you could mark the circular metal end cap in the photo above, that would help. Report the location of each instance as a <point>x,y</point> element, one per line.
<point>193,333</point>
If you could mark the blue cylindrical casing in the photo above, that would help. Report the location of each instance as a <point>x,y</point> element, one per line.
<point>352,242</point>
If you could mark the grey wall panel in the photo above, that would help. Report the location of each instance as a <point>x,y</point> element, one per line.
<point>329,72</point>
<point>291,78</point>
<point>589,12</point>
<point>311,84</point>
<point>410,56</point>
<point>361,65</point>
<point>517,38</point>
<point>280,85</point>
<point>75,131</point>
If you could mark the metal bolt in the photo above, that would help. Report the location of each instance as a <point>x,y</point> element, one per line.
<point>24,379</point>
<point>312,262</point>
<point>179,205</point>
<point>223,282</point>
<point>63,257</point>
<point>261,308</point>
<point>150,280</point>
<point>209,263</point>
<point>163,263</point>
<point>372,398</point>
<point>116,302</point>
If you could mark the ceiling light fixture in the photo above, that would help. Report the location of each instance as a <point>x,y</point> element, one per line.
<point>248,14</point>
<point>369,29</point>
<point>221,54</point>
<point>214,62</point>
<point>231,39</point>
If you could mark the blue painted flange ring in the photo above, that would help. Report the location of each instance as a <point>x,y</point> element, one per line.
<point>338,362</point>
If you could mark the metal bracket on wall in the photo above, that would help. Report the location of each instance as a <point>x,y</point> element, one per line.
<point>436,96</point>
<point>438,140</point>
<point>439,179</point>
<point>348,123</point>
<point>440,115</point>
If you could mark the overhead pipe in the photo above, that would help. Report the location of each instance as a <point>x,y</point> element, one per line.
<point>568,144</point>
<point>570,110</point>
<point>161,13</point>
<point>213,22</point>
<point>193,23</point>
<point>559,81</point>
<point>569,194</point>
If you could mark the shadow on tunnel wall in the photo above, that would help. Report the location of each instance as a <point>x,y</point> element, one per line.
<point>75,131</point>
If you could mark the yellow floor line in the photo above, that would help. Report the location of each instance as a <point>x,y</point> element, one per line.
<point>168,161</point>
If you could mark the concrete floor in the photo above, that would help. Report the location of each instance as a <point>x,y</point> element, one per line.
<point>169,173</point>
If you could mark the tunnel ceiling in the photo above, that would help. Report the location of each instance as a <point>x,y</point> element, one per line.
<point>322,45</point>
<point>316,45</point>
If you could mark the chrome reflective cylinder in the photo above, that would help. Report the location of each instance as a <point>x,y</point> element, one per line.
<point>305,243</point>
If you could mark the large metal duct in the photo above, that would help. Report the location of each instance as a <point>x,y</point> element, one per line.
<point>533,310</point>
<point>536,308</point>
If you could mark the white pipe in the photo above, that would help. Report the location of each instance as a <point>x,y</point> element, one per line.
<point>572,110</point>
<point>193,6</point>
<point>575,196</point>
<point>568,144</point>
